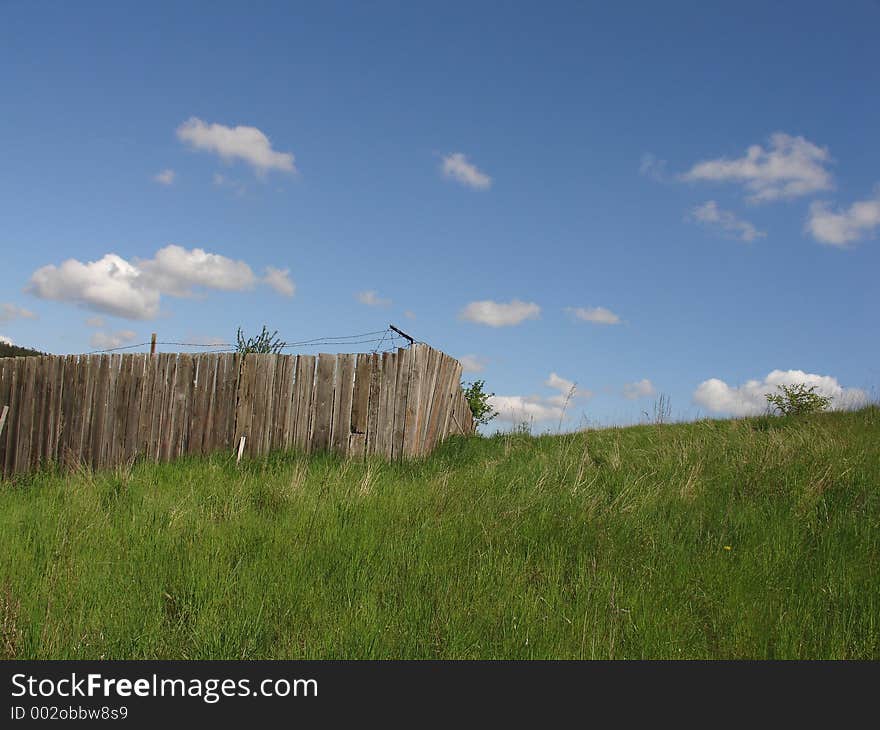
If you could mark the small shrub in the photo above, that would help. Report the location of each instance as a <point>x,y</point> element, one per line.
<point>264,343</point>
<point>797,400</point>
<point>478,400</point>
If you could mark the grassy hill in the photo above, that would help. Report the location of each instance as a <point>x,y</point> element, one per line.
<point>746,538</point>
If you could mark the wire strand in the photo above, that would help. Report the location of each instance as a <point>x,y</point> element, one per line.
<point>364,338</point>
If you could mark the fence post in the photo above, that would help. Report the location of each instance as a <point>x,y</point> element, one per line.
<point>153,344</point>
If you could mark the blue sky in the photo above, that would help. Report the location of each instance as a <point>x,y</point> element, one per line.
<point>635,199</point>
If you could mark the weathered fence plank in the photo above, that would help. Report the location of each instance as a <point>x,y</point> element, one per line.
<point>342,400</point>
<point>381,416</point>
<point>404,367</point>
<point>304,386</point>
<point>411,425</point>
<point>323,408</point>
<point>360,405</point>
<point>25,426</point>
<point>8,370</point>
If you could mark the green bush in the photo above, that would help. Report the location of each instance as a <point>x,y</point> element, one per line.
<point>264,343</point>
<point>478,400</point>
<point>797,399</point>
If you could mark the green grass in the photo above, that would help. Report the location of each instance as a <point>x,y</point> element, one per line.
<point>721,539</point>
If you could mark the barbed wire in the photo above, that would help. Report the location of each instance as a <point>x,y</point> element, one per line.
<point>364,338</point>
<point>114,349</point>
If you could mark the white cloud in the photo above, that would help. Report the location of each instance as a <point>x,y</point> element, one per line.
<point>844,226</point>
<point>96,322</point>
<point>280,281</point>
<point>520,408</point>
<point>710,214</point>
<point>409,314</point>
<point>749,399</point>
<point>245,143</point>
<point>596,315</point>
<point>456,166</point>
<point>653,168</point>
<point>111,285</point>
<point>110,340</point>
<point>567,390</point>
<point>9,312</point>
<point>639,389</point>
<point>473,363</point>
<point>500,314</point>
<point>133,289</point>
<point>175,270</point>
<point>372,299</point>
<point>6,340</point>
<point>789,168</point>
<point>166,177</point>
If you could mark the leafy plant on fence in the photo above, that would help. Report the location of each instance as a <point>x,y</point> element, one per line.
<point>264,343</point>
<point>797,399</point>
<point>478,400</point>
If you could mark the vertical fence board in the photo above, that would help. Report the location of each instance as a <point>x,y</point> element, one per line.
<point>82,409</point>
<point>342,403</point>
<point>96,431</point>
<point>164,405</point>
<point>276,425</point>
<point>244,405</point>
<point>65,408</point>
<point>166,385</point>
<point>413,400</point>
<point>322,408</point>
<point>269,411</point>
<point>231,386</point>
<point>387,403</point>
<point>148,399</point>
<point>360,404</point>
<point>197,406</point>
<point>404,366</point>
<point>186,371</point>
<point>207,384</point>
<point>129,421</point>
<point>4,401</point>
<point>118,403</point>
<point>305,379</point>
<point>258,384</point>
<point>26,422</point>
<point>53,405</point>
<point>285,438</point>
<point>41,401</point>
<point>7,398</point>
<point>224,404</point>
<point>437,403</point>
<point>213,384</point>
<point>261,401</point>
<point>427,395</point>
<point>56,399</point>
<point>14,413</point>
<point>15,416</point>
<point>375,432</point>
<point>19,418</point>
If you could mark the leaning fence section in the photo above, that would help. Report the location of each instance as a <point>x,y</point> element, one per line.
<point>105,410</point>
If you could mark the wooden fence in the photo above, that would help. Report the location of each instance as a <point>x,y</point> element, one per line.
<point>104,410</point>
